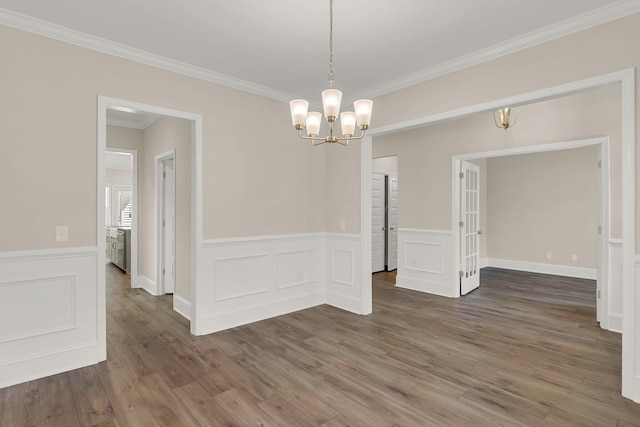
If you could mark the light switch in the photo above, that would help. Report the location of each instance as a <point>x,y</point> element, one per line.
<point>343,224</point>
<point>549,255</point>
<point>62,233</point>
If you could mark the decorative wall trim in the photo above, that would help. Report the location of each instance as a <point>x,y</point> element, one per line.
<point>343,272</point>
<point>615,322</point>
<point>47,305</point>
<point>253,278</point>
<point>67,35</point>
<point>182,306</point>
<point>564,28</point>
<point>148,285</point>
<point>424,261</point>
<point>536,267</point>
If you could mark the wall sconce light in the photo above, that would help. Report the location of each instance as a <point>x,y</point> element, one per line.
<point>505,118</point>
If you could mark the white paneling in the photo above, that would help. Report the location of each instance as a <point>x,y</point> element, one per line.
<point>240,276</point>
<point>296,268</point>
<point>182,306</point>
<point>342,266</point>
<point>425,261</point>
<point>254,278</point>
<point>37,307</point>
<point>48,320</point>
<point>425,257</point>
<point>343,273</point>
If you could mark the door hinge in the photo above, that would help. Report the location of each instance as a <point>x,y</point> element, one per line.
<point>599,294</point>
<point>461,175</point>
<point>599,164</point>
<point>164,174</point>
<point>461,273</point>
<point>599,229</point>
<point>163,272</point>
<point>461,224</point>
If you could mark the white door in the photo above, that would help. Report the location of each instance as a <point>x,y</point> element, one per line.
<point>392,222</point>
<point>469,227</point>
<point>377,222</point>
<point>168,227</point>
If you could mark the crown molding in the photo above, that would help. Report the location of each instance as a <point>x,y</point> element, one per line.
<point>567,27</point>
<point>67,35</point>
<point>587,20</point>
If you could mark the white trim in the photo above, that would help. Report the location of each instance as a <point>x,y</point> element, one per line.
<point>615,322</point>
<point>182,306</point>
<point>145,123</point>
<point>148,285</point>
<point>538,267</point>
<point>564,28</point>
<point>29,255</point>
<point>424,231</point>
<point>366,285</point>
<point>626,78</point>
<point>212,243</point>
<point>67,35</point>
<point>196,120</point>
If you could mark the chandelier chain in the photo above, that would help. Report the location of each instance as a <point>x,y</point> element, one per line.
<point>331,43</point>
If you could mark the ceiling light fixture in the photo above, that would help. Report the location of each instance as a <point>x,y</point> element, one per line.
<point>505,117</point>
<point>331,99</point>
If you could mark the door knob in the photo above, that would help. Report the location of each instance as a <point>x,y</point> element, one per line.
<point>392,229</point>
<point>479,232</point>
<point>383,228</point>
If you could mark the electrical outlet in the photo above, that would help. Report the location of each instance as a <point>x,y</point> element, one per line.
<point>343,224</point>
<point>549,255</point>
<point>574,258</point>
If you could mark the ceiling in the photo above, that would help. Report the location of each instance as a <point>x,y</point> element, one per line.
<point>279,48</point>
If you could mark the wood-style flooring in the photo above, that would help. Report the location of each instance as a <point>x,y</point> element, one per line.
<point>523,350</point>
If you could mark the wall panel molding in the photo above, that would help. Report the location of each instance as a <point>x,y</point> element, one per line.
<point>424,261</point>
<point>47,312</point>
<point>343,272</point>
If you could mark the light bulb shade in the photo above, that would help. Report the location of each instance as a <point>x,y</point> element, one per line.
<point>348,122</point>
<point>331,99</point>
<point>314,119</point>
<point>299,109</point>
<point>363,109</point>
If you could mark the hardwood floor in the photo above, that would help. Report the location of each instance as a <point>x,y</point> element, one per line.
<point>523,350</point>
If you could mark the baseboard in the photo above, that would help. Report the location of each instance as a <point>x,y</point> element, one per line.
<point>182,306</point>
<point>242,316</point>
<point>431,287</point>
<point>148,285</point>
<point>484,262</point>
<point>615,323</point>
<point>636,388</point>
<point>343,302</point>
<point>535,267</point>
<point>50,363</point>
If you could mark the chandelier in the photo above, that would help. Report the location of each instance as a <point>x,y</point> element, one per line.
<point>331,99</point>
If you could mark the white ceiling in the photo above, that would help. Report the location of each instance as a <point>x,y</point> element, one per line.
<point>279,48</point>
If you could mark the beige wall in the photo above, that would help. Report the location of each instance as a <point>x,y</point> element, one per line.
<point>603,49</point>
<point>424,155</point>
<point>119,177</point>
<point>272,184</point>
<point>543,202</point>
<point>162,136</point>
<point>386,164</point>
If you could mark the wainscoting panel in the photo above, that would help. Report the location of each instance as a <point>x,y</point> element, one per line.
<point>245,280</point>
<point>343,271</point>
<point>424,261</point>
<point>48,320</point>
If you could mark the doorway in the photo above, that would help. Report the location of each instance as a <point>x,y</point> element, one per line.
<point>166,225</point>
<point>384,221</point>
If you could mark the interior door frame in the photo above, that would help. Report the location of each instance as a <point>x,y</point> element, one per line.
<point>105,103</point>
<point>602,144</point>
<point>159,161</point>
<point>133,269</point>
<point>384,238</point>
<point>627,81</point>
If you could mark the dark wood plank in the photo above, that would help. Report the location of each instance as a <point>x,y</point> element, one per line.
<point>523,349</point>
